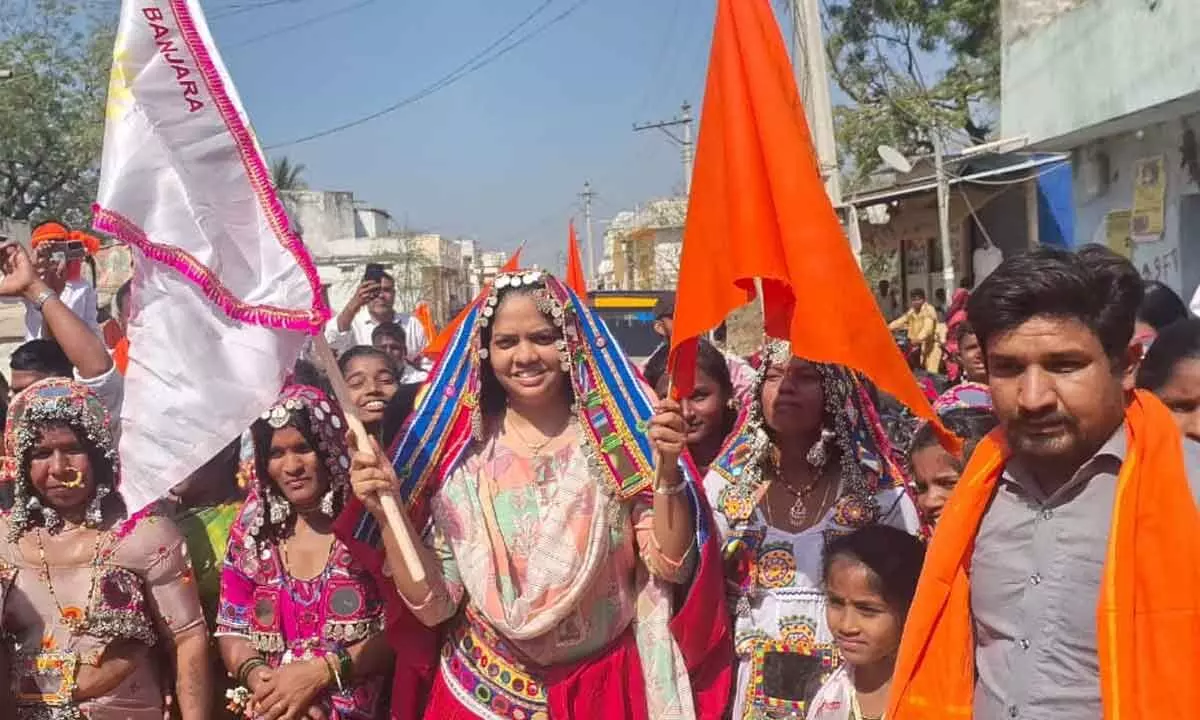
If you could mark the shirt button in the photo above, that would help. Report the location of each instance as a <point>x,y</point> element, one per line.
<point>1012,711</point>
<point>1024,644</point>
<point>1047,514</point>
<point>1035,579</point>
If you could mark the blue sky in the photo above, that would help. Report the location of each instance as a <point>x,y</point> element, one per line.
<point>502,154</point>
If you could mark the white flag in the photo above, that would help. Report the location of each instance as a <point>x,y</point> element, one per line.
<point>224,293</point>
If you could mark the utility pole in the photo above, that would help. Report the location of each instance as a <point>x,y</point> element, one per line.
<point>812,79</point>
<point>686,144</point>
<point>943,210</point>
<point>587,196</point>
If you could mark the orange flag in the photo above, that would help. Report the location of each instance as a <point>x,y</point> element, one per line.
<point>423,316</point>
<point>758,209</point>
<point>438,345</point>
<point>576,280</point>
<point>514,262</point>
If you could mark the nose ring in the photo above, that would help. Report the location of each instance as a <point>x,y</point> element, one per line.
<point>77,482</point>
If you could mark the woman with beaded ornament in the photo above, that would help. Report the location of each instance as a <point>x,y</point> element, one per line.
<point>808,460</point>
<point>92,601</point>
<point>554,553</point>
<point>299,619</point>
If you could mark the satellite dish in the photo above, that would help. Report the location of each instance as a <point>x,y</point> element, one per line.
<point>894,159</point>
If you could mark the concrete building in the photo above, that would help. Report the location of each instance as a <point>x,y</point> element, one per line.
<point>1116,83</point>
<point>642,247</point>
<point>999,204</point>
<point>344,237</point>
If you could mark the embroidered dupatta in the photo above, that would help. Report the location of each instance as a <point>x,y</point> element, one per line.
<point>614,408</point>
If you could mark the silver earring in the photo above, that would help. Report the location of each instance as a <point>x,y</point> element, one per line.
<point>818,455</point>
<point>477,424</point>
<point>327,503</point>
<point>279,509</point>
<point>95,512</point>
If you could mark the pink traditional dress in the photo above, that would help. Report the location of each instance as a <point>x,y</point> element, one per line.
<point>135,586</point>
<point>556,601</point>
<point>287,618</point>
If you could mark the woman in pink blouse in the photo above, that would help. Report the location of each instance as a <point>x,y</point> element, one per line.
<point>91,603</point>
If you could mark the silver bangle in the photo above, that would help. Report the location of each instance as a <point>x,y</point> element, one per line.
<point>675,490</point>
<point>43,297</point>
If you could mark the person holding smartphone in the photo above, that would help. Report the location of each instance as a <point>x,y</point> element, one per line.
<point>377,295</point>
<point>58,257</point>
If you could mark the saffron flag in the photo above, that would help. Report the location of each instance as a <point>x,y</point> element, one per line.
<point>576,280</point>
<point>224,293</point>
<point>758,209</point>
<point>439,344</point>
<point>423,316</point>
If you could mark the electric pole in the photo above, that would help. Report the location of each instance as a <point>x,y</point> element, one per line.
<point>812,79</point>
<point>687,146</point>
<point>587,196</point>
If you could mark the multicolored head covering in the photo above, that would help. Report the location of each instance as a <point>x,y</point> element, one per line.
<point>964,395</point>
<point>312,409</point>
<point>611,403</point>
<point>55,401</point>
<point>868,463</point>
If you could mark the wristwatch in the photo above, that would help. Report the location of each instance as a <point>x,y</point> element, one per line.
<point>43,297</point>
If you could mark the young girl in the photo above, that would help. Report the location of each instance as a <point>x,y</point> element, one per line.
<point>870,578</point>
<point>934,470</point>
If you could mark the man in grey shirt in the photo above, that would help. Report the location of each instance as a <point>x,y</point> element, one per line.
<point>1056,330</point>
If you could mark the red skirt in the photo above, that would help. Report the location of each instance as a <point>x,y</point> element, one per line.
<point>608,685</point>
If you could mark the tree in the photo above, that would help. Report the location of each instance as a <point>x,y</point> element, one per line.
<point>910,67</point>
<point>52,108</point>
<point>288,176</point>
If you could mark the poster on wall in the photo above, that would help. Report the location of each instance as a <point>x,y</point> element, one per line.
<point>1118,233</point>
<point>1149,195</point>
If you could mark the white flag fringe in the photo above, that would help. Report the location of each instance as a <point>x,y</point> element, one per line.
<point>224,294</point>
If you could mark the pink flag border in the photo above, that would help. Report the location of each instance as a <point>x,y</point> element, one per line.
<point>113,223</point>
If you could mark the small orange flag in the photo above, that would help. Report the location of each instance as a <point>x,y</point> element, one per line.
<point>438,344</point>
<point>425,317</point>
<point>758,209</point>
<point>576,280</point>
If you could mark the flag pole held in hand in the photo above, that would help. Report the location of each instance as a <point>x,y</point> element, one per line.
<point>396,522</point>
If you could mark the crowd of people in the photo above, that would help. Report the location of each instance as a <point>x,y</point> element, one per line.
<point>773,545</point>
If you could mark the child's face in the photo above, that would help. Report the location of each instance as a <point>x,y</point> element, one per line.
<point>935,473</point>
<point>866,628</point>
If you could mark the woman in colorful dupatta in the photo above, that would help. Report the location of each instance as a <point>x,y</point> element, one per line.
<point>532,452</point>
<point>299,619</point>
<point>808,460</point>
<point>93,603</point>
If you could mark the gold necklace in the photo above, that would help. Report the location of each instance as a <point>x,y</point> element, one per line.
<point>856,709</point>
<point>75,622</point>
<point>798,512</point>
<point>534,448</point>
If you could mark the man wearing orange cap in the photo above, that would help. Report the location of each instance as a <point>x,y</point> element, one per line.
<point>59,254</point>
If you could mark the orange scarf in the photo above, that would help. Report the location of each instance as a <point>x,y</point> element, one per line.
<point>1149,603</point>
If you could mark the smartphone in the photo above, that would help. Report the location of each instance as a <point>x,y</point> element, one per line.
<point>374,273</point>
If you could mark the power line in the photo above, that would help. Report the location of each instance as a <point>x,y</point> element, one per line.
<point>302,24</point>
<point>477,62</point>
<point>239,8</point>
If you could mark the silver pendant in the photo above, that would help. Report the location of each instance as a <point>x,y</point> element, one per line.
<point>798,513</point>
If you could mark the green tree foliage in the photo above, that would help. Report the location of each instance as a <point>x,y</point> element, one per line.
<point>52,108</point>
<point>909,66</point>
<point>287,175</point>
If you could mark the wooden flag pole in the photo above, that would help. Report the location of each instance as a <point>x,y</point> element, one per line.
<point>659,467</point>
<point>397,524</point>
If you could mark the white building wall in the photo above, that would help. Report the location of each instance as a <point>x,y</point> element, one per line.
<point>1173,258</point>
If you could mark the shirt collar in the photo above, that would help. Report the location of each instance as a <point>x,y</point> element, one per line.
<point>1107,460</point>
